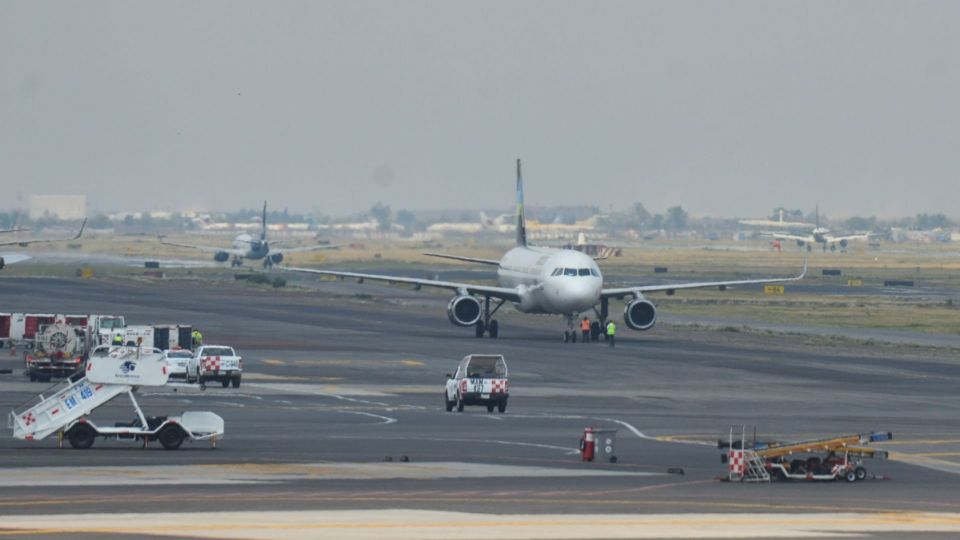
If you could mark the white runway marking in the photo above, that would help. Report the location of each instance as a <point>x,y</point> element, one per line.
<point>220,474</point>
<point>386,419</point>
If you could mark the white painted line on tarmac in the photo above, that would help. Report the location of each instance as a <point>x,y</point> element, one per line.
<point>386,419</point>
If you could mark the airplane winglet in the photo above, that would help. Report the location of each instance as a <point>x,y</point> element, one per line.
<point>80,232</point>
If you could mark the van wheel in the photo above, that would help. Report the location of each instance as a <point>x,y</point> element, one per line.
<point>171,437</point>
<point>447,403</point>
<point>81,436</point>
<point>236,382</point>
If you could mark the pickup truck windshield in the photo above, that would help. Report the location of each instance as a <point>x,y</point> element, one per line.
<point>217,351</point>
<point>486,366</point>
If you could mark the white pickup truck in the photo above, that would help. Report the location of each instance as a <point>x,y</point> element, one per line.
<point>215,363</point>
<point>481,379</point>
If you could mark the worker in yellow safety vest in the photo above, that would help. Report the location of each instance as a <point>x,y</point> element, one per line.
<point>196,337</point>
<point>611,332</point>
<point>117,340</point>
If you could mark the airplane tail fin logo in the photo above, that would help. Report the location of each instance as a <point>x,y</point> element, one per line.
<point>521,222</point>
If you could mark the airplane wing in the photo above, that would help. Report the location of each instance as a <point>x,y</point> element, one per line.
<point>209,249</point>
<point>25,243</point>
<point>861,236</point>
<point>623,291</point>
<point>307,248</point>
<point>505,293</point>
<point>462,258</point>
<point>12,258</point>
<point>782,236</point>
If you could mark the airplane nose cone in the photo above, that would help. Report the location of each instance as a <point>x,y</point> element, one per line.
<point>575,295</point>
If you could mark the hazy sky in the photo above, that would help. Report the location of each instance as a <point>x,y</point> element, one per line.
<point>729,108</point>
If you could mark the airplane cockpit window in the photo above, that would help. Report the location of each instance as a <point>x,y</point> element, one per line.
<point>556,272</point>
<point>595,272</point>
<point>584,271</point>
<point>569,271</point>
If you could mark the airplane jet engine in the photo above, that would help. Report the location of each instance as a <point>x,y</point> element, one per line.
<point>221,256</point>
<point>843,243</point>
<point>464,310</point>
<point>276,258</point>
<point>640,314</point>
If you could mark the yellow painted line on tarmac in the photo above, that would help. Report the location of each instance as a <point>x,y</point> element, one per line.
<point>412,363</point>
<point>274,362</point>
<point>935,454</point>
<point>903,442</point>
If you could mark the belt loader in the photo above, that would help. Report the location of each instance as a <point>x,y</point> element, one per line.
<point>831,458</point>
<point>122,371</point>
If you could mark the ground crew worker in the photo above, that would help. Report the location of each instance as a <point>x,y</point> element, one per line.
<point>611,332</point>
<point>117,340</point>
<point>585,328</point>
<point>196,337</point>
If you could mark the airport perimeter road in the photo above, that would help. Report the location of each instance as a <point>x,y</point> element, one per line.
<point>334,386</point>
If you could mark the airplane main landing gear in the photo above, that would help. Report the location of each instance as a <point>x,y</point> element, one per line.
<point>487,324</point>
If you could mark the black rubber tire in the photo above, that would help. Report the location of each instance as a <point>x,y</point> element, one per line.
<point>81,436</point>
<point>850,476</point>
<point>33,377</point>
<point>494,329</point>
<point>225,383</point>
<point>236,382</point>
<point>459,404</point>
<point>861,473</point>
<point>502,406</point>
<point>43,378</point>
<point>479,329</point>
<point>490,407</point>
<point>171,437</point>
<point>447,404</point>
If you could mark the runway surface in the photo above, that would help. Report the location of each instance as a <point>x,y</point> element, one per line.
<point>336,384</point>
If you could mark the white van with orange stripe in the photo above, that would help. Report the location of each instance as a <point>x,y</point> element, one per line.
<point>215,363</point>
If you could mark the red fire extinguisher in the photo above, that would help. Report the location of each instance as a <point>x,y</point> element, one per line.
<point>587,445</point>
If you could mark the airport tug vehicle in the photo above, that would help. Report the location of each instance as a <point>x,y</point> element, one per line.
<point>481,379</point>
<point>65,411</point>
<point>835,458</point>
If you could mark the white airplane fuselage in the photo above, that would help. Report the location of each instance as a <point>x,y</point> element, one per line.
<point>252,248</point>
<point>574,289</point>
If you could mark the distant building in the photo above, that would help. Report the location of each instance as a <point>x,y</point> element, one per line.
<point>58,206</point>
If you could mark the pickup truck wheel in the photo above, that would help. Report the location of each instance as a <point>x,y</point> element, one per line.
<point>81,436</point>
<point>236,382</point>
<point>459,404</point>
<point>33,377</point>
<point>490,407</point>
<point>502,406</point>
<point>171,437</point>
<point>225,383</point>
<point>447,403</point>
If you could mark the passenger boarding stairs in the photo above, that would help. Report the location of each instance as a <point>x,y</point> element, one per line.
<point>105,378</point>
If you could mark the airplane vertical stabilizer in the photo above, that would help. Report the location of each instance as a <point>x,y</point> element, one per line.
<point>521,222</point>
<point>263,223</point>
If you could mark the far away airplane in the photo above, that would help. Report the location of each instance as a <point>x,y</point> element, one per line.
<point>820,235</point>
<point>11,258</point>
<point>543,280</point>
<point>246,246</point>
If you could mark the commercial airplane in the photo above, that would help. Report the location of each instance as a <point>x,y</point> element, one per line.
<point>11,258</point>
<point>245,246</point>
<point>820,235</point>
<point>543,280</point>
